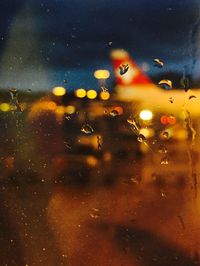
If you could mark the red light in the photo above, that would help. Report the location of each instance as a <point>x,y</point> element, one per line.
<point>164,119</point>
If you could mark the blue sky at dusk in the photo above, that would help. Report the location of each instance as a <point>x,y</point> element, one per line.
<point>44,42</point>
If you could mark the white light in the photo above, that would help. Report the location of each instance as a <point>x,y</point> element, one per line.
<point>146,115</point>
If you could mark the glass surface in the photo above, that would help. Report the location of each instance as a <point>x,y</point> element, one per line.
<point>99,132</point>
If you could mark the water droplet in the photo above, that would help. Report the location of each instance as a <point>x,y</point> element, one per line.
<point>133,124</point>
<point>162,149</point>
<point>87,129</point>
<point>13,93</point>
<point>165,134</point>
<point>171,119</point>
<point>29,90</point>
<point>165,84</point>
<point>190,127</point>
<point>64,80</point>
<point>104,89</point>
<point>123,69</point>
<point>163,194</point>
<point>67,145</point>
<point>185,83</point>
<point>158,63</point>
<point>141,138</point>
<point>131,121</point>
<point>99,142</point>
<point>154,141</point>
<point>14,101</point>
<point>171,99</point>
<point>68,117</point>
<point>134,180</point>
<point>114,113</point>
<point>164,161</point>
<point>110,43</point>
<point>192,97</point>
<point>94,213</point>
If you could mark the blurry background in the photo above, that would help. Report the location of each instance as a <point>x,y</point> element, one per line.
<point>101,172</point>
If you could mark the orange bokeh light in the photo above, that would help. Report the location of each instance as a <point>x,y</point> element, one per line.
<point>165,119</point>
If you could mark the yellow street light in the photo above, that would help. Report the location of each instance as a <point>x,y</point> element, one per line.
<point>4,107</point>
<point>104,95</point>
<point>80,93</point>
<point>60,110</point>
<point>59,91</point>
<point>91,94</point>
<point>70,109</point>
<point>102,74</point>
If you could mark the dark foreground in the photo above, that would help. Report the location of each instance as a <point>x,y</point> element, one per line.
<point>117,223</point>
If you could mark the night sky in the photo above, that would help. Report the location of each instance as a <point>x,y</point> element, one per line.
<point>44,42</point>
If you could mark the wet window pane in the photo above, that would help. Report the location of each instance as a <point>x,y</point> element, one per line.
<point>99,132</point>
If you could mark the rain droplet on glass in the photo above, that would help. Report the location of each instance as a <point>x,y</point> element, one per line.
<point>104,89</point>
<point>134,180</point>
<point>163,194</point>
<point>114,113</point>
<point>14,101</point>
<point>131,121</point>
<point>192,97</point>
<point>133,124</point>
<point>123,69</point>
<point>68,117</point>
<point>154,141</point>
<point>165,134</point>
<point>158,62</point>
<point>162,149</point>
<point>94,213</point>
<point>13,93</point>
<point>99,142</point>
<point>141,138</point>
<point>165,84</point>
<point>185,83</point>
<point>171,100</point>
<point>164,161</point>
<point>67,145</point>
<point>87,129</point>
